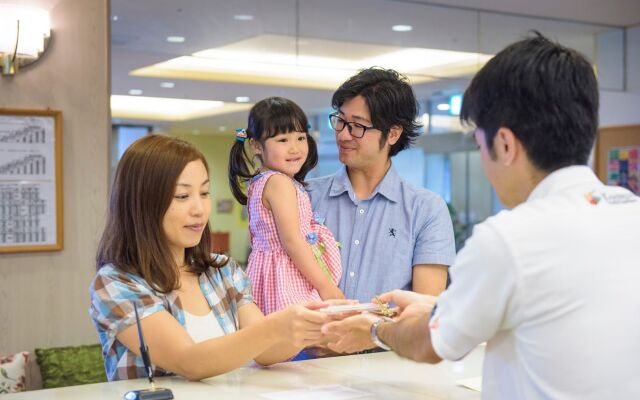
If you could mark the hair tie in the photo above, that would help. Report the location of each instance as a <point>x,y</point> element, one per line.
<point>241,134</point>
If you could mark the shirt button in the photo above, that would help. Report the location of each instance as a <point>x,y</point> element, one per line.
<point>352,274</point>
<point>357,242</point>
<point>362,211</point>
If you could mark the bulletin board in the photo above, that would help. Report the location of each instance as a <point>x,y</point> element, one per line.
<point>617,156</point>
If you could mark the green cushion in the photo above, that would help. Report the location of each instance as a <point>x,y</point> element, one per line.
<point>68,366</point>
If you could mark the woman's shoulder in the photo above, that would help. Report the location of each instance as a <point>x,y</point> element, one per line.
<point>111,275</point>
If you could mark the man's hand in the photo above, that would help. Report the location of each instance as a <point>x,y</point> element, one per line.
<point>409,304</point>
<point>352,334</point>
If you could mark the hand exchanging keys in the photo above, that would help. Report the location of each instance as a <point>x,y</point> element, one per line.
<point>353,334</point>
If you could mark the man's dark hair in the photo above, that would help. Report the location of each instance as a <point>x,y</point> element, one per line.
<point>545,93</point>
<point>390,99</point>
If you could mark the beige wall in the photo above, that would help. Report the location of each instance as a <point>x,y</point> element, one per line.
<point>44,296</point>
<point>216,149</point>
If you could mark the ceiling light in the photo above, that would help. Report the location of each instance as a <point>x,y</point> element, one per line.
<point>135,92</point>
<point>169,109</point>
<point>175,39</point>
<point>443,107</point>
<point>243,17</point>
<point>402,28</point>
<point>325,65</point>
<point>114,18</point>
<point>167,85</point>
<point>242,99</point>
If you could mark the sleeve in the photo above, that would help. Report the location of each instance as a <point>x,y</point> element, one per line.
<point>435,243</point>
<point>480,299</point>
<point>113,294</point>
<point>241,283</point>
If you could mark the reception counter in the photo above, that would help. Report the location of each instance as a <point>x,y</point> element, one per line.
<point>364,376</point>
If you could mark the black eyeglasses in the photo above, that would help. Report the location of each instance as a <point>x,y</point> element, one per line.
<point>355,129</point>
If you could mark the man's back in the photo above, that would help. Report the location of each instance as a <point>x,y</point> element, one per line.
<point>557,279</point>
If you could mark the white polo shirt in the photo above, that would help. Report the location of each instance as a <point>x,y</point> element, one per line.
<point>553,286</point>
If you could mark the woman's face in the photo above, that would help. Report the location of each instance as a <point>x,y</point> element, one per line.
<point>188,213</point>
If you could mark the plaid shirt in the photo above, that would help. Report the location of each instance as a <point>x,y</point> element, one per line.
<point>113,293</point>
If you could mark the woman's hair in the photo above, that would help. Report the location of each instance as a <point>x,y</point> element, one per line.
<point>268,118</point>
<point>143,188</point>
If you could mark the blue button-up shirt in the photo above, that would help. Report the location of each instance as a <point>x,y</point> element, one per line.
<point>384,236</point>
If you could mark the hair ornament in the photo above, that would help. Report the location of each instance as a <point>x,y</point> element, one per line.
<point>241,134</point>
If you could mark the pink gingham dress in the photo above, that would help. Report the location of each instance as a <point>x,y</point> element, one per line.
<point>277,282</point>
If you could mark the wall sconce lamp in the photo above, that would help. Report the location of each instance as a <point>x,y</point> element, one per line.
<point>25,33</point>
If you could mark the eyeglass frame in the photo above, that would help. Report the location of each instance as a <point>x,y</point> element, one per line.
<point>349,126</point>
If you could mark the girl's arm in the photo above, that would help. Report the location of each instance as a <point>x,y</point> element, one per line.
<point>172,349</point>
<point>279,195</point>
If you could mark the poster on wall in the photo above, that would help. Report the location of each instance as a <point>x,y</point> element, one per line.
<point>30,181</point>
<point>623,168</point>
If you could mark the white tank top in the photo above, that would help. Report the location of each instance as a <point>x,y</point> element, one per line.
<point>203,327</point>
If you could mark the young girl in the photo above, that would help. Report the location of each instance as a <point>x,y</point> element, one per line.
<point>293,257</point>
<point>196,310</point>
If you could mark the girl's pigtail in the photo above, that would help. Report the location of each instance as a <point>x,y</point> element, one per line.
<point>240,167</point>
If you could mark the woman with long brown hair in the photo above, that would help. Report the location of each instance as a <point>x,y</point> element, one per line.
<point>196,310</point>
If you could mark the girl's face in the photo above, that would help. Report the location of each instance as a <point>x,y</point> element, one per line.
<point>188,213</point>
<point>284,152</point>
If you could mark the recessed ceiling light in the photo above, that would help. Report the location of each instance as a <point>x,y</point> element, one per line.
<point>242,99</point>
<point>135,92</point>
<point>443,107</point>
<point>167,85</point>
<point>402,28</point>
<point>175,39</point>
<point>115,18</point>
<point>243,17</point>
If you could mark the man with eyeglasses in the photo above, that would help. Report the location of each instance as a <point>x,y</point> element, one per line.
<point>393,235</point>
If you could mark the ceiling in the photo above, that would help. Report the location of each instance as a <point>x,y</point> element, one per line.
<point>348,28</point>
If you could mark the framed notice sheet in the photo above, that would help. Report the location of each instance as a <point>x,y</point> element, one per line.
<point>30,181</point>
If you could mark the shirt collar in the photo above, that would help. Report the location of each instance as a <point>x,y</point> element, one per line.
<point>563,179</point>
<point>389,187</point>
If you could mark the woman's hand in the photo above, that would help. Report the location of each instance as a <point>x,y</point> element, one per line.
<point>300,324</point>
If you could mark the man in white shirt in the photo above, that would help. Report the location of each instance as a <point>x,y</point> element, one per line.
<point>551,285</point>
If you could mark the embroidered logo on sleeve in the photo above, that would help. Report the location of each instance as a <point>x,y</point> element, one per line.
<point>594,197</point>
<point>392,232</point>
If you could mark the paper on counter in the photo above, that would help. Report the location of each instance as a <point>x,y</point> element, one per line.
<point>474,383</point>
<point>329,392</point>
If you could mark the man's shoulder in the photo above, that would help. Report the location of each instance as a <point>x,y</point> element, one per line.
<point>318,184</point>
<point>424,198</point>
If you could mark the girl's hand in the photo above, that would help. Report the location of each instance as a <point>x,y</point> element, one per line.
<point>300,324</point>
